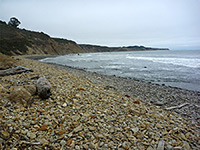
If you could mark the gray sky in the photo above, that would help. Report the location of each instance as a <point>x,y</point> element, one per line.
<point>157,23</point>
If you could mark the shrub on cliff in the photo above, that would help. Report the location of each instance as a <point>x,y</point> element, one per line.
<point>14,22</point>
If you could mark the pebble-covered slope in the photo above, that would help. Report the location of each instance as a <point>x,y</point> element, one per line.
<point>160,95</point>
<point>84,115</point>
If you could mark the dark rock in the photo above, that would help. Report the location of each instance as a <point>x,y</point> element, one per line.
<point>43,88</point>
<point>159,103</point>
<point>109,87</point>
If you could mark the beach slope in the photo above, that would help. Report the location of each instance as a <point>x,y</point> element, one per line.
<point>83,114</point>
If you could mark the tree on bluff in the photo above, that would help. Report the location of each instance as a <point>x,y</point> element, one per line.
<point>14,22</point>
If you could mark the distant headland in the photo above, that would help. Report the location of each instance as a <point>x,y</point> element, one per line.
<point>15,41</point>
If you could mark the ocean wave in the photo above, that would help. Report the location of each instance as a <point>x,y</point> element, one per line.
<point>187,62</point>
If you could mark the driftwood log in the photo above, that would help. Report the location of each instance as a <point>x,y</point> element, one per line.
<point>15,70</point>
<point>3,68</point>
<point>177,107</point>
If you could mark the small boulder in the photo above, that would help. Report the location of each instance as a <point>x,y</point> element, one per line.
<point>43,88</point>
<point>31,89</point>
<point>19,94</point>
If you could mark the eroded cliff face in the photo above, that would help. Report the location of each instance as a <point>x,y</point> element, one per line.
<point>53,46</point>
<point>67,46</point>
<point>98,48</point>
<point>15,41</point>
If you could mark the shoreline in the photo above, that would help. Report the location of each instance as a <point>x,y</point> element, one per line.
<point>38,57</point>
<point>157,94</point>
<point>181,85</point>
<point>88,111</point>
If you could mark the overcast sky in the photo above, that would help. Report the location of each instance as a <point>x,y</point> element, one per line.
<point>157,23</point>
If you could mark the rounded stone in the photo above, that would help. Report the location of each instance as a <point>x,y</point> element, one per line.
<point>31,135</point>
<point>19,95</point>
<point>62,142</point>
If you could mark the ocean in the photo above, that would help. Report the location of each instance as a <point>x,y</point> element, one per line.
<point>180,68</point>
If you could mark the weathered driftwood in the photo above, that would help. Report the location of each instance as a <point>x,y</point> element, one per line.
<point>30,143</point>
<point>15,70</point>
<point>3,68</point>
<point>177,107</point>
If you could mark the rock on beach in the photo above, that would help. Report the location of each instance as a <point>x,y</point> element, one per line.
<point>82,114</point>
<point>43,88</point>
<point>31,89</point>
<point>19,94</point>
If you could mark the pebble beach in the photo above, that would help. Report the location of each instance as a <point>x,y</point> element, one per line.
<point>92,111</point>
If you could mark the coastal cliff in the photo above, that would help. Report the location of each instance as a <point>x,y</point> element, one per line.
<point>15,41</point>
<point>96,48</point>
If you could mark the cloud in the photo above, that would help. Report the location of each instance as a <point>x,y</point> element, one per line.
<point>111,22</point>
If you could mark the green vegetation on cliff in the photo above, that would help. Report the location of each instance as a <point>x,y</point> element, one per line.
<point>6,61</point>
<point>15,41</point>
<point>96,48</point>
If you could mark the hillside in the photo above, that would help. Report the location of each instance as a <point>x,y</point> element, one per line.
<point>96,48</point>
<point>15,41</point>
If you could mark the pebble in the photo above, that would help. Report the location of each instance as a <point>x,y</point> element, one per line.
<point>77,147</point>
<point>100,136</point>
<point>24,131</point>
<point>5,135</point>
<point>85,146</point>
<point>135,130</point>
<point>69,142</point>
<point>161,145</point>
<point>178,148</point>
<point>92,128</point>
<point>159,103</point>
<point>91,145</point>
<point>31,135</point>
<point>126,145</point>
<point>186,146</point>
<point>62,142</point>
<point>101,144</point>
<point>44,141</point>
<point>27,125</point>
<point>77,129</point>
<point>64,105</point>
<point>43,127</point>
<point>82,114</point>
<point>168,146</point>
<point>70,134</point>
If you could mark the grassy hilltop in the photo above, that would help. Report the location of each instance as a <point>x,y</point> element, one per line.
<point>15,41</point>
